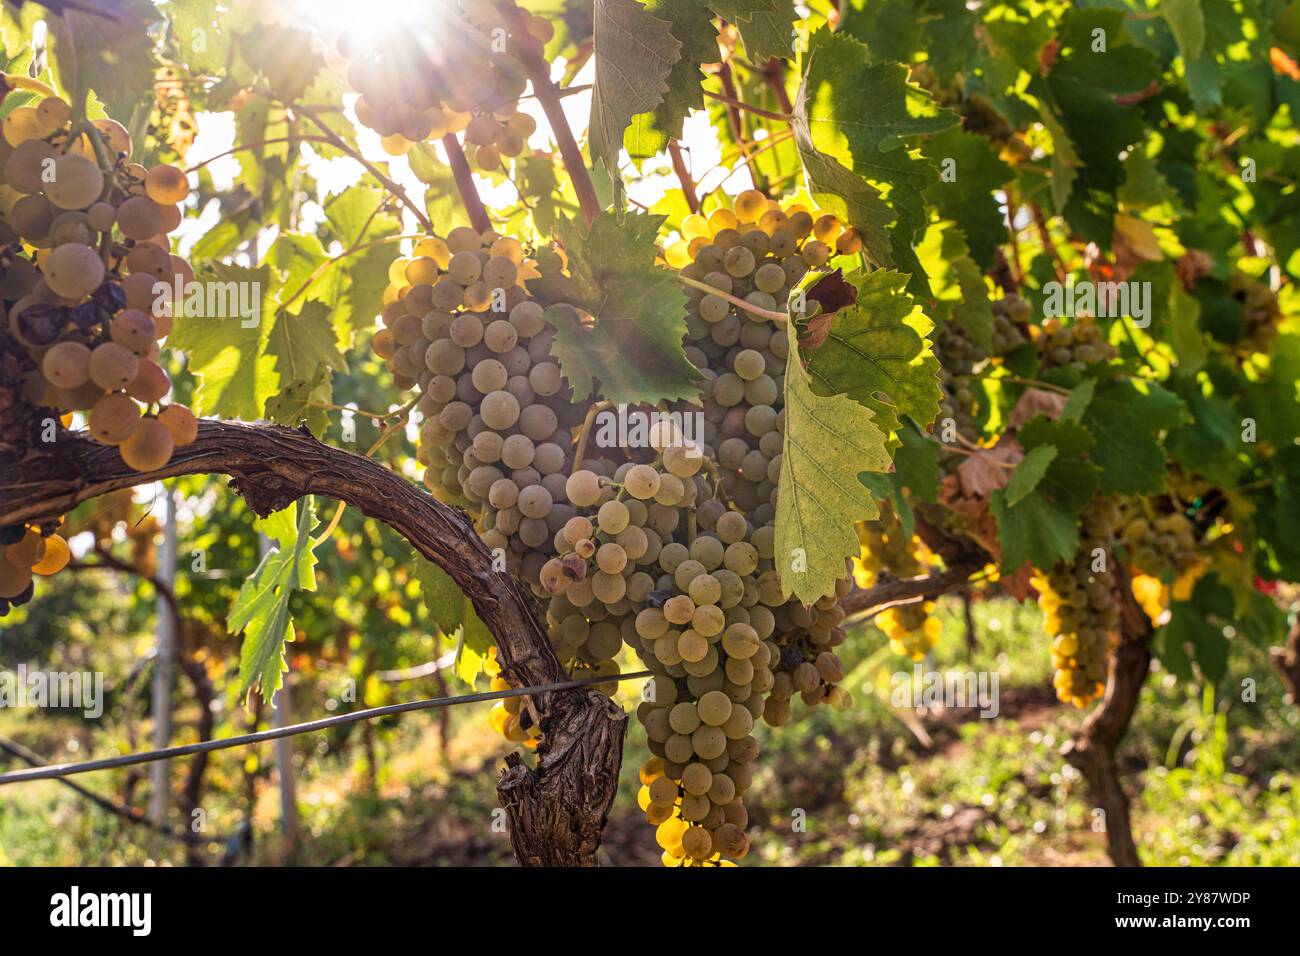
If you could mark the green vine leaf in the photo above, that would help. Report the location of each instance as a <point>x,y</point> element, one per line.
<point>227,351</point>
<point>112,55</point>
<point>261,608</point>
<point>633,349</point>
<point>840,78</point>
<point>692,24</point>
<point>966,197</point>
<point>1127,418</point>
<point>829,442</point>
<point>766,26</point>
<point>634,51</point>
<point>454,615</point>
<point>878,345</point>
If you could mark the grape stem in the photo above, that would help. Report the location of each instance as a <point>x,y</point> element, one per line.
<point>469,197</point>
<point>742,105</point>
<point>338,142</point>
<point>328,263</point>
<point>1033,382</point>
<point>749,307</point>
<point>683,175</point>
<point>736,122</point>
<point>1017,273</point>
<point>256,144</point>
<point>774,73</point>
<point>581,451</point>
<point>956,450</point>
<point>15,81</point>
<point>401,414</point>
<point>528,50</point>
<point>375,416</point>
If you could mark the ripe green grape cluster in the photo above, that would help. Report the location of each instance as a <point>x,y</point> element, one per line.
<point>498,415</point>
<point>1081,612</point>
<point>666,548</point>
<point>26,552</point>
<point>886,548</point>
<point>912,629</point>
<point>450,74</point>
<point>1163,541</point>
<point>85,260</point>
<point>962,359</point>
<point>1077,345</point>
<point>758,252</point>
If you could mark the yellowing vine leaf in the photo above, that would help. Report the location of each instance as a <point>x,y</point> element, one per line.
<point>829,442</point>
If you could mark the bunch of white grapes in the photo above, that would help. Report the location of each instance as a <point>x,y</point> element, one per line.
<point>451,73</point>
<point>1080,608</point>
<point>666,549</point>
<point>759,252</point>
<point>84,262</point>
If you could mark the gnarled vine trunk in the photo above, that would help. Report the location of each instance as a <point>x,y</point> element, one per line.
<point>558,810</point>
<point>1093,751</point>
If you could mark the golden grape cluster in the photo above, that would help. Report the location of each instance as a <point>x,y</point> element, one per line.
<point>88,275</point>
<point>27,551</point>
<point>664,547</point>
<point>453,74</point>
<point>1081,612</point>
<point>1158,542</point>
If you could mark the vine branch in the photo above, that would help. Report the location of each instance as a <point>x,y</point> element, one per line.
<point>469,197</point>
<point>559,808</point>
<point>528,50</point>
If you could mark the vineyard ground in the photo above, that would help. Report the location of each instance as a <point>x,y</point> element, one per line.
<point>983,793</point>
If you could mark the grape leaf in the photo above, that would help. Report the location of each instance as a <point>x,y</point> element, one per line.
<point>916,464</point>
<point>204,33</point>
<point>454,615</point>
<point>1041,526</point>
<point>876,345</point>
<point>829,442</point>
<point>1065,159</point>
<point>1029,473</point>
<point>1036,530</point>
<point>228,352</point>
<point>112,55</point>
<point>634,53</point>
<point>841,77</point>
<point>1198,624</point>
<point>692,24</point>
<point>302,343</point>
<point>361,277</point>
<point>1126,417</point>
<point>959,288</point>
<point>293,403</point>
<point>634,347</point>
<point>766,26</point>
<point>967,197</point>
<point>261,608</point>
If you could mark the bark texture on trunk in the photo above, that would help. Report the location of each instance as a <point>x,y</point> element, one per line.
<point>1093,751</point>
